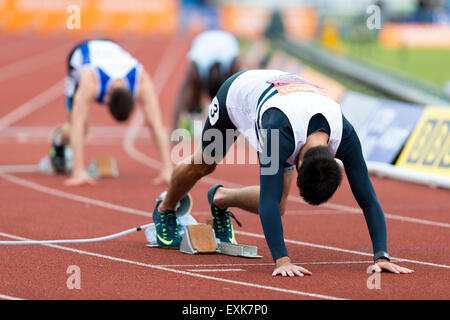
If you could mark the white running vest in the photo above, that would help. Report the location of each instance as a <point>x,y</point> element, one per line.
<point>213,46</point>
<point>297,98</point>
<point>109,62</point>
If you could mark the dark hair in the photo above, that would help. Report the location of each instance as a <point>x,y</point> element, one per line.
<point>121,103</point>
<point>215,79</point>
<point>319,175</point>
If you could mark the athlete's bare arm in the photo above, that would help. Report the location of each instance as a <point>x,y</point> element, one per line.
<point>79,122</point>
<point>149,101</point>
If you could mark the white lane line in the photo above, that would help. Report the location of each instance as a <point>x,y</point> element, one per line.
<point>32,63</point>
<point>215,270</point>
<point>19,168</point>
<point>33,104</point>
<point>70,196</point>
<point>94,131</point>
<point>258,264</point>
<point>5,297</point>
<point>387,215</point>
<point>416,220</point>
<point>308,244</point>
<point>186,273</point>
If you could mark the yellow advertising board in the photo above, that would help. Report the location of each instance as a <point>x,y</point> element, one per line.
<point>428,148</point>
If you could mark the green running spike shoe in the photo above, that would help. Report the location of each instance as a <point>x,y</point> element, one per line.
<point>222,225</point>
<point>57,158</point>
<point>166,227</point>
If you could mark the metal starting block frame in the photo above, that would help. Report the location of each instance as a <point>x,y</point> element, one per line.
<point>201,239</point>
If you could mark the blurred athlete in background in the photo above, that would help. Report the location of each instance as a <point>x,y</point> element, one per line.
<point>213,57</point>
<point>101,71</point>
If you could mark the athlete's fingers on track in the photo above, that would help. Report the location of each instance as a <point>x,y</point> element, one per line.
<point>291,271</point>
<point>74,182</point>
<point>305,271</point>
<point>298,273</point>
<point>404,270</point>
<point>389,267</point>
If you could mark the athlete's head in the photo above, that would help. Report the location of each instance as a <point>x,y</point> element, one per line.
<point>120,103</point>
<point>217,76</point>
<point>215,79</point>
<point>318,176</point>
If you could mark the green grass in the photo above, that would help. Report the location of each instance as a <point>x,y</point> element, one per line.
<point>431,65</point>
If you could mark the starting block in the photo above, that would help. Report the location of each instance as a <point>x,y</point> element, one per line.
<point>198,238</point>
<point>103,167</point>
<point>201,239</point>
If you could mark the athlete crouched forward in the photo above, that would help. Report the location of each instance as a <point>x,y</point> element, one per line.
<point>294,126</point>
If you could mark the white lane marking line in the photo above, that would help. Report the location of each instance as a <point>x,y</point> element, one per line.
<point>146,265</point>
<point>3,296</point>
<point>34,62</point>
<point>416,220</point>
<point>388,215</point>
<point>33,104</point>
<point>257,264</point>
<point>214,270</point>
<point>308,244</point>
<point>94,131</point>
<point>19,168</point>
<point>70,196</point>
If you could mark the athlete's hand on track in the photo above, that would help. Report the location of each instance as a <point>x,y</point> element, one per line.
<point>385,265</point>
<point>78,179</point>
<point>286,268</point>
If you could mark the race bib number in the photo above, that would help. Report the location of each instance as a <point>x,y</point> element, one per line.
<point>290,83</point>
<point>213,112</point>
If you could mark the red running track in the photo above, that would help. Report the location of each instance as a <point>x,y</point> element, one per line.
<point>331,240</point>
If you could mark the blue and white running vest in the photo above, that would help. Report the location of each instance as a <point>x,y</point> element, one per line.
<point>108,61</point>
